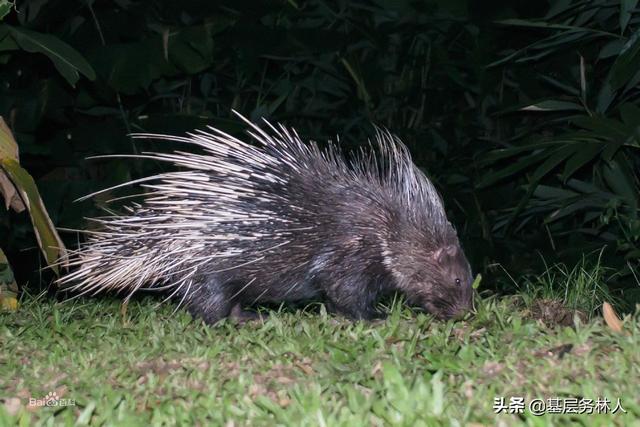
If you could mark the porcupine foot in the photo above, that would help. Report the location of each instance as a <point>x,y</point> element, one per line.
<point>354,313</point>
<point>210,302</point>
<point>242,316</point>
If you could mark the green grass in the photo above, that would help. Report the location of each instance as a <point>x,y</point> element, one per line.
<point>578,288</point>
<point>305,368</point>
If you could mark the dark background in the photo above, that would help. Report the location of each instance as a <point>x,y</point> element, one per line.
<point>551,183</point>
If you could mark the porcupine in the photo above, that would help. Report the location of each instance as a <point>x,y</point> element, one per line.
<point>279,221</point>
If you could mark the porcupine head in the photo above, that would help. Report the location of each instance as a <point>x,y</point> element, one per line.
<point>430,267</point>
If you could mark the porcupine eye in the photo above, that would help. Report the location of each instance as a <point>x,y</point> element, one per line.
<point>457,281</point>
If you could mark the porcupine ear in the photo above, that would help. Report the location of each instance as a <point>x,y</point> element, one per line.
<point>440,255</point>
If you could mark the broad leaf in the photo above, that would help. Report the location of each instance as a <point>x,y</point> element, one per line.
<point>5,8</point>
<point>9,150</point>
<point>15,182</point>
<point>68,61</point>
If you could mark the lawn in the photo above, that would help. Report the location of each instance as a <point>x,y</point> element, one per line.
<point>152,365</point>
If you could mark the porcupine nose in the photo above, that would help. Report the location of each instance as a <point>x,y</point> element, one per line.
<point>460,314</point>
<point>462,309</point>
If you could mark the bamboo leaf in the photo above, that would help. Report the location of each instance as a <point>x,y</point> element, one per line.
<point>581,157</point>
<point>622,182</point>
<point>627,63</point>
<point>528,161</point>
<point>626,9</point>
<point>539,24</point>
<point>571,207</point>
<point>604,127</point>
<point>555,158</point>
<point>630,114</point>
<point>547,192</point>
<point>553,105</point>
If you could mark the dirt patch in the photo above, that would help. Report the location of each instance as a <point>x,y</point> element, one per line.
<point>274,383</point>
<point>159,367</point>
<point>491,369</point>
<point>463,331</point>
<point>554,313</point>
<point>555,352</point>
<point>162,368</point>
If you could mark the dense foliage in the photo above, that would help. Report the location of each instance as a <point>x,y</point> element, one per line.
<point>525,114</point>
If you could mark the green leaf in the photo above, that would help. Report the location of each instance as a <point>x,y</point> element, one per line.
<point>132,67</point>
<point>476,281</point>
<point>532,24</point>
<point>611,150</point>
<point>531,188</point>
<point>626,9</point>
<point>585,154</point>
<point>627,63</point>
<point>611,48</point>
<point>563,86</point>
<point>553,105</point>
<point>622,182</point>
<point>191,49</point>
<point>20,191</point>
<point>561,39</point>
<point>6,43</point>
<point>558,7</point>
<point>605,97</point>
<point>5,8</point>
<point>546,192</point>
<point>630,114</point>
<point>570,208</point>
<point>68,61</point>
<point>503,153</point>
<point>46,234</point>
<point>603,127</point>
<point>528,161</point>
<point>586,187</point>
<point>555,158</point>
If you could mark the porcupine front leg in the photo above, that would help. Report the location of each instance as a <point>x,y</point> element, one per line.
<point>207,300</point>
<point>352,295</point>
